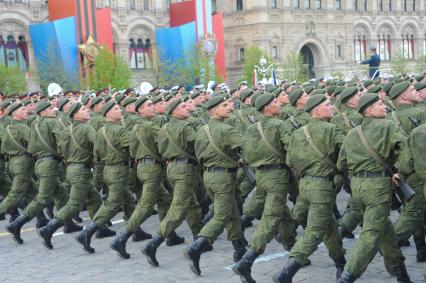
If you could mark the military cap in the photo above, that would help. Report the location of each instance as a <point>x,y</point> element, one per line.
<point>255,96</point>
<point>341,83</point>
<point>6,103</point>
<point>319,91</point>
<point>85,99</point>
<point>95,101</point>
<point>173,105</point>
<point>157,99</point>
<point>129,100</point>
<point>419,86</point>
<point>13,107</point>
<point>107,98</point>
<point>367,100</point>
<point>214,101</point>
<point>314,101</point>
<point>33,93</point>
<point>107,107</point>
<point>42,105</point>
<point>43,95</point>
<point>74,109</point>
<point>398,89</point>
<point>306,84</point>
<point>129,90</point>
<point>419,78</point>
<point>367,83</point>
<point>168,97</point>
<point>320,86</point>
<point>51,97</point>
<point>330,89</point>
<point>375,89</point>
<point>286,87</point>
<point>246,93</point>
<point>338,90</point>
<point>309,89</point>
<point>232,90</point>
<point>295,95</point>
<point>195,94</point>
<point>264,100</point>
<point>387,87</point>
<point>141,101</point>
<point>347,93</point>
<point>277,91</point>
<point>26,101</point>
<point>62,102</point>
<point>120,98</point>
<point>270,88</point>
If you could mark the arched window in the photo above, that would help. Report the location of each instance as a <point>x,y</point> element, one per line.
<point>407,42</point>
<point>384,43</point>
<point>355,5</point>
<point>360,44</point>
<point>296,4</point>
<point>338,4</point>
<point>140,53</point>
<point>239,5</point>
<point>14,54</point>
<point>365,5</point>
<point>318,4</point>
<point>380,5</point>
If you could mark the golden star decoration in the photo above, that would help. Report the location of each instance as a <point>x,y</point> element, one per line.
<point>90,50</point>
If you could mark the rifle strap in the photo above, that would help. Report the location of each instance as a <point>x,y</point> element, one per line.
<point>241,116</point>
<point>180,149</point>
<point>317,151</point>
<point>43,141</point>
<point>216,148</point>
<point>74,140</point>
<point>144,146</point>
<point>20,146</point>
<point>104,134</point>
<point>346,120</point>
<point>371,151</point>
<point>267,143</point>
<point>397,122</point>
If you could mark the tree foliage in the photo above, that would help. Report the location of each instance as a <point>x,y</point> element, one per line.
<point>252,56</point>
<point>421,64</point>
<point>108,70</point>
<point>399,64</point>
<point>294,67</point>
<point>12,80</point>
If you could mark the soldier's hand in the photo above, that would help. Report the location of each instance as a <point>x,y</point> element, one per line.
<point>395,179</point>
<point>240,162</point>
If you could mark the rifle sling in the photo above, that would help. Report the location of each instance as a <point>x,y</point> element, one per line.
<point>216,148</point>
<point>273,150</point>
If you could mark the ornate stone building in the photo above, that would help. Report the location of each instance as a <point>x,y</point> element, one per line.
<point>331,34</point>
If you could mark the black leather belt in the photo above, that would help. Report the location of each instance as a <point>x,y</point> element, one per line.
<point>148,161</point>
<point>272,166</point>
<point>48,157</point>
<point>184,161</point>
<point>372,174</point>
<point>321,178</point>
<point>220,170</point>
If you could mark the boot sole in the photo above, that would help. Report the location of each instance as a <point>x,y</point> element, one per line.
<point>243,279</point>
<point>149,259</point>
<point>123,256</point>
<point>44,241</point>
<point>191,263</point>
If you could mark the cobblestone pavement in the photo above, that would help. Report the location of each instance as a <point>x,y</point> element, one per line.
<point>67,262</point>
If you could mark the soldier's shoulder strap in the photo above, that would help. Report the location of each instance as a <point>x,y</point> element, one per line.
<point>216,148</point>
<point>43,141</point>
<point>62,122</point>
<point>74,140</point>
<point>317,151</point>
<point>104,134</point>
<point>397,122</point>
<point>179,148</point>
<point>241,116</point>
<point>144,146</point>
<point>370,150</point>
<point>20,146</point>
<point>273,150</point>
<point>346,120</point>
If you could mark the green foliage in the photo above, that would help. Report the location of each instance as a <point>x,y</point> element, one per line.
<point>52,70</point>
<point>109,70</point>
<point>252,57</point>
<point>421,64</point>
<point>12,80</point>
<point>294,68</point>
<point>399,64</point>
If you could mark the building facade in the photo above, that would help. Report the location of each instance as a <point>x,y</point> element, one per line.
<point>333,35</point>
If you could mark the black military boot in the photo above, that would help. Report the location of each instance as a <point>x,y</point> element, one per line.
<point>246,221</point>
<point>71,227</point>
<point>401,274</point>
<point>41,220</point>
<point>243,267</point>
<point>421,248</point>
<point>77,218</point>
<point>403,243</point>
<point>344,233</point>
<point>14,213</point>
<point>151,249</point>
<point>209,215</point>
<point>104,232</point>
<point>46,232</point>
<point>174,240</point>
<point>208,248</point>
<point>119,244</point>
<point>286,274</point>
<point>239,249</point>
<point>85,236</point>
<point>340,265</point>
<point>346,277</point>
<point>14,228</point>
<point>193,253</point>
<point>140,235</point>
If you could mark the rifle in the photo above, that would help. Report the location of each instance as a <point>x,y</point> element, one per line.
<point>414,121</point>
<point>293,121</point>
<point>251,177</point>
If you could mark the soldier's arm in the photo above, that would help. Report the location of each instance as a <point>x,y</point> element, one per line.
<point>342,161</point>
